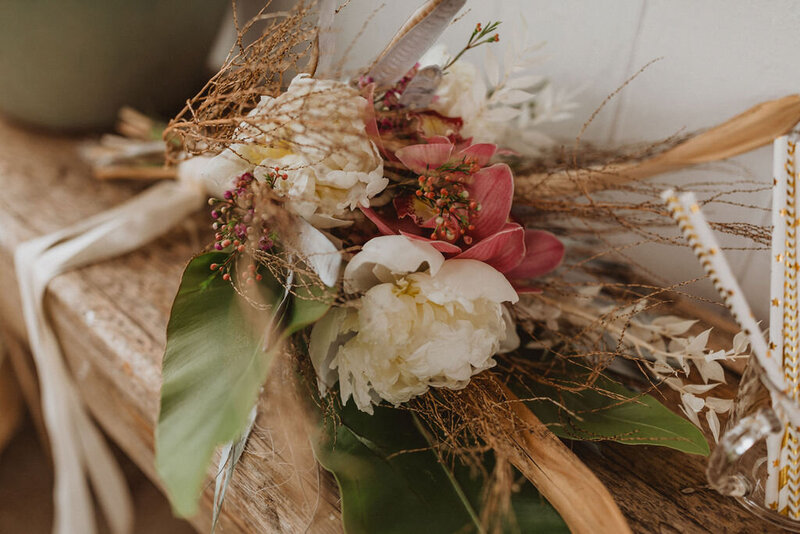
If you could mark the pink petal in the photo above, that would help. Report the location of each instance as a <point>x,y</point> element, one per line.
<point>493,187</point>
<point>463,144</point>
<point>438,139</point>
<point>442,246</point>
<point>420,158</point>
<point>481,153</point>
<point>543,253</point>
<point>503,250</point>
<point>371,125</point>
<point>390,226</point>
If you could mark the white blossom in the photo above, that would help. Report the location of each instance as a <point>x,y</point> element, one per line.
<point>314,133</point>
<point>661,343</point>
<point>506,105</point>
<point>422,322</point>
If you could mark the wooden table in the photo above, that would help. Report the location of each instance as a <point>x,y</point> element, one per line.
<point>111,319</point>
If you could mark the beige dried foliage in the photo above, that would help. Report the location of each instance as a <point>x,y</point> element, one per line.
<point>209,121</point>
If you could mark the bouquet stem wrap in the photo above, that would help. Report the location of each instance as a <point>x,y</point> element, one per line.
<point>77,444</point>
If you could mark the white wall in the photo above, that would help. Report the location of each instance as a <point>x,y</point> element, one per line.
<point>719,58</point>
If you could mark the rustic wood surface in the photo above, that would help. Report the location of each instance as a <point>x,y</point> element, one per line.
<point>111,320</point>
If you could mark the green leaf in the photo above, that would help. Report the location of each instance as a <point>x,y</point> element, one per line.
<point>308,306</point>
<point>213,367</point>
<point>592,415</point>
<point>392,481</point>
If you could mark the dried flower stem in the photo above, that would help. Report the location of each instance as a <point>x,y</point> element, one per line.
<point>755,127</point>
<point>516,434</point>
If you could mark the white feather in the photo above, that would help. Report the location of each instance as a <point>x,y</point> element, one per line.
<point>413,39</point>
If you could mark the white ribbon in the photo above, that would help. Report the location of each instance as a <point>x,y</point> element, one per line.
<point>78,446</point>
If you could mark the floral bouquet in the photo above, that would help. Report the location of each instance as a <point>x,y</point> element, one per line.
<point>439,280</point>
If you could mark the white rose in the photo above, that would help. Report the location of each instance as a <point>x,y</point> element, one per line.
<point>315,134</point>
<point>415,327</point>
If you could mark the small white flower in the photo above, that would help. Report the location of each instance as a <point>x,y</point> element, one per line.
<point>315,133</point>
<point>461,93</point>
<point>422,322</point>
<point>505,111</point>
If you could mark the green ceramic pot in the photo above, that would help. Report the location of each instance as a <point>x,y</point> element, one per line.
<point>71,64</point>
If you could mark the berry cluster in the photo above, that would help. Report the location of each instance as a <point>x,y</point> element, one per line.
<point>480,35</point>
<point>238,224</point>
<point>248,275</point>
<point>445,191</point>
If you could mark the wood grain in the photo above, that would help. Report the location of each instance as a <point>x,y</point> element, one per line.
<point>111,320</point>
<point>11,406</point>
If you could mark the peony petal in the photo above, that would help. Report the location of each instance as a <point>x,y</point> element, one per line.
<point>442,246</point>
<point>493,187</point>
<point>480,153</point>
<point>512,341</point>
<point>503,250</point>
<point>420,158</point>
<point>219,172</point>
<point>317,250</point>
<point>543,253</point>
<point>383,257</point>
<point>390,226</point>
<point>472,279</point>
<point>323,346</point>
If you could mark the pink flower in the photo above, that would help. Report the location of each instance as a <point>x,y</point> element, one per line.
<point>461,206</point>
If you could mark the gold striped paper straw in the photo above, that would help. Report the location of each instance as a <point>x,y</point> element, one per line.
<point>777,266</point>
<point>786,211</point>
<point>686,212</point>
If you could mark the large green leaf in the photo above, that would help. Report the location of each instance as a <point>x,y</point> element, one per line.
<point>310,303</point>
<point>392,481</point>
<point>612,412</point>
<point>213,367</point>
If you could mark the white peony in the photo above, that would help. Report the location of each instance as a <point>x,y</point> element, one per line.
<point>422,322</point>
<point>314,133</point>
